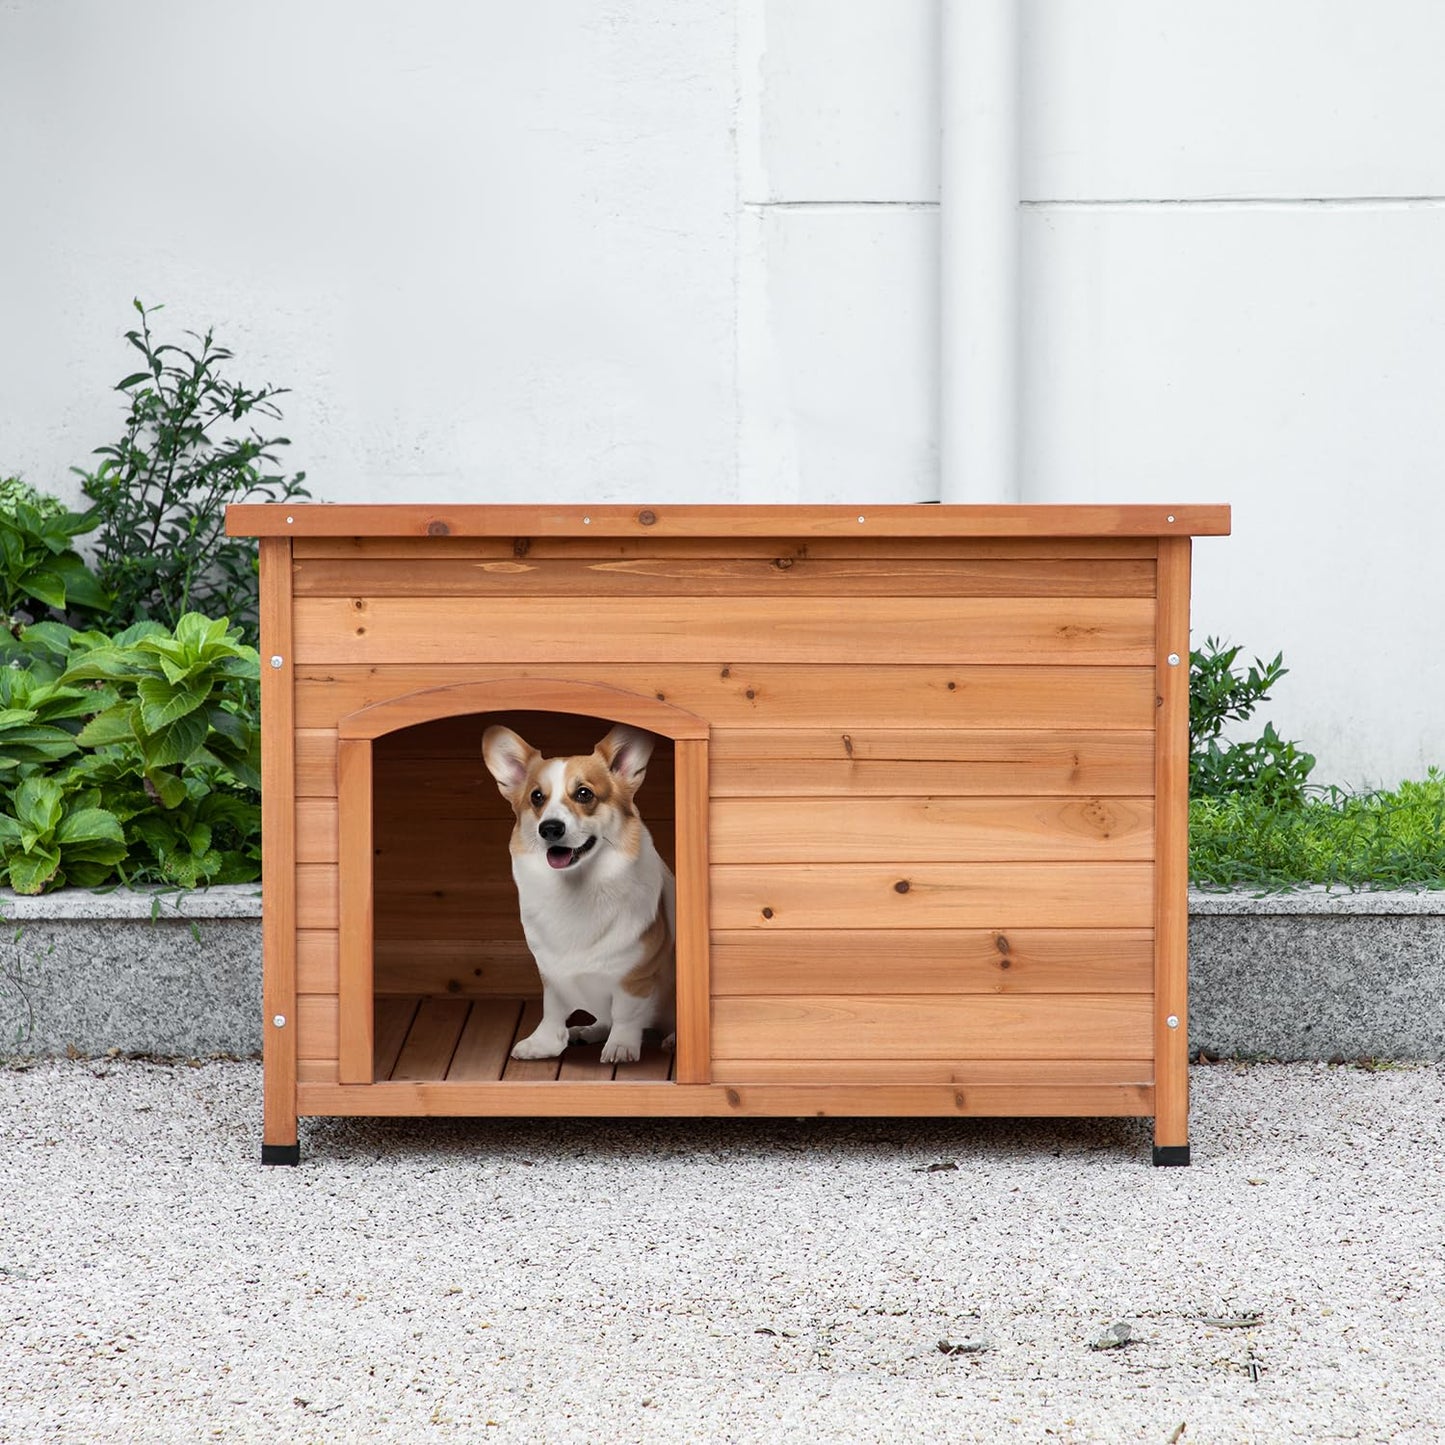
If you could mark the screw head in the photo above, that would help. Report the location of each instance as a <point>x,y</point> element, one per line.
<point>1173,659</point>
<point>279,1021</point>
<point>275,662</point>
<point>1172,1021</point>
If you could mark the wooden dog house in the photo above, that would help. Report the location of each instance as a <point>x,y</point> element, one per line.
<point>922,777</point>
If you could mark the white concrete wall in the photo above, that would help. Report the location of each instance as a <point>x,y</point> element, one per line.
<point>642,250</point>
<point>489,246</point>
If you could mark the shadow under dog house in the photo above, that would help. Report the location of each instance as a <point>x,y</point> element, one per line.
<point>922,776</point>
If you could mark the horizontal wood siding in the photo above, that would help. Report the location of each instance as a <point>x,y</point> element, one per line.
<point>735,694</point>
<point>932,961</point>
<point>930,771</point>
<point>924,1026</point>
<point>781,576</point>
<point>807,629</point>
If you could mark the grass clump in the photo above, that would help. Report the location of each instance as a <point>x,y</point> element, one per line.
<point>1385,839</point>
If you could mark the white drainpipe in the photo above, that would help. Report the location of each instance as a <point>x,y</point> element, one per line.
<point>978,251</point>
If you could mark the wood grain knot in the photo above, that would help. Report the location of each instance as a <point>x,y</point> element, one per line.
<point>782,563</point>
<point>521,546</point>
<point>647,518</point>
<point>733,1097</point>
<point>901,886</point>
<point>767,913</point>
<point>438,529</point>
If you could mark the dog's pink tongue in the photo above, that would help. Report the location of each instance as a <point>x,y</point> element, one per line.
<point>559,857</point>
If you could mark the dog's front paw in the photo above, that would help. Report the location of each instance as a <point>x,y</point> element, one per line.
<point>538,1047</point>
<point>623,1050</point>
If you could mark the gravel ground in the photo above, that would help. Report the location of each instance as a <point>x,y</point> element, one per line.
<point>719,1281</point>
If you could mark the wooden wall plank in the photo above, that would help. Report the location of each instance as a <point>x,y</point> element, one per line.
<point>352,878</point>
<point>531,519</point>
<point>464,965</point>
<point>937,762</point>
<point>317,961</point>
<point>1171,1123</point>
<point>429,550</point>
<point>1015,1073</point>
<point>694,1050</point>
<point>841,1026</point>
<point>317,1033</point>
<point>315,762</point>
<point>783,578</point>
<point>1031,631</point>
<point>901,960</point>
<point>317,836</point>
<point>930,830</point>
<point>317,896</point>
<point>281,913</point>
<point>835,696</point>
<point>651,1100</point>
<point>924,895</point>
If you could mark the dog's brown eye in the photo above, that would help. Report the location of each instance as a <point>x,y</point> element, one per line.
<point>583,794</point>
<point>538,797</point>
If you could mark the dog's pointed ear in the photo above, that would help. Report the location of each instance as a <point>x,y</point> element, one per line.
<point>508,757</point>
<point>626,750</point>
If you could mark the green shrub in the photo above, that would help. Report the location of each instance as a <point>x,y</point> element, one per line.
<point>40,570</point>
<point>131,758</point>
<point>1386,839</point>
<point>1268,768</point>
<point>161,491</point>
<point>57,834</point>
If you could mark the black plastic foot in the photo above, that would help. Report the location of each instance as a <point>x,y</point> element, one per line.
<point>286,1154</point>
<point>1171,1154</point>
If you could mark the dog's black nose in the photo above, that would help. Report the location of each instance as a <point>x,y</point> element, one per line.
<point>551,830</point>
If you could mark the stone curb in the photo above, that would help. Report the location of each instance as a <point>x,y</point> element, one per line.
<point>1307,975</point>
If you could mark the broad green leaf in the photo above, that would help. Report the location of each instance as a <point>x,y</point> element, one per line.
<point>46,585</point>
<point>108,728</point>
<point>89,825</point>
<point>82,587</point>
<point>30,872</point>
<point>178,742</point>
<point>163,703</point>
<point>38,806</point>
<point>169,789</point>
<point>101,664</point>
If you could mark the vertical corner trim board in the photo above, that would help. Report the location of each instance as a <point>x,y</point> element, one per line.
<point>921,775</point>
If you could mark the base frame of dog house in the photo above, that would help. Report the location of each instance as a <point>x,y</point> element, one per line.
<point>922,777</point>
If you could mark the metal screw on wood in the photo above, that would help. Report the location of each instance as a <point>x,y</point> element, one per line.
<point>1173,659</point>
<point>279,1021</point>
<point>1172,1021</point>
<point>275,662</point>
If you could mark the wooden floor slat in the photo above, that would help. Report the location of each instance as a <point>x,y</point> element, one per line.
<point>393,1018</point>
<point>584,1062</point>
<point>530,1071</point>
<point>461,1041</point>
<point>427,1053</point>
<point>486,1040</point>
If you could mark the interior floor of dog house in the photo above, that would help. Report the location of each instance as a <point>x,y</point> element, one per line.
<point>455,984</point>
<point>470,1041</point>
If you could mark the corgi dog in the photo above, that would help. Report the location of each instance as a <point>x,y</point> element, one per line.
<point>599,906</point>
